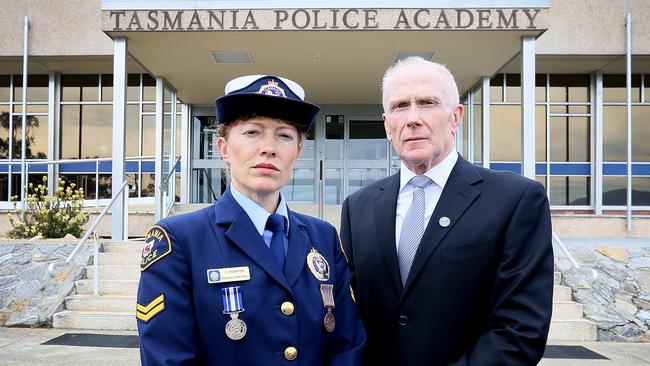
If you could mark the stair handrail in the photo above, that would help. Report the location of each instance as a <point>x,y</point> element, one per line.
<point>91,230</point>
<point>573,261</point>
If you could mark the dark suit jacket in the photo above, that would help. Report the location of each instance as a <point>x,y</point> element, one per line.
<point>479,291</point>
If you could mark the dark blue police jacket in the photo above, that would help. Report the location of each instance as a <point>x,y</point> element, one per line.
<point>181,318</point>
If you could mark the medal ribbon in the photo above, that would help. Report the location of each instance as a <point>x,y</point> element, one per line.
<point>327,293</point>
<point>232,300</point>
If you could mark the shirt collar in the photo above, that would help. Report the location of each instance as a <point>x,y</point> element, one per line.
<point>439,173</point>
<point>257,213</point>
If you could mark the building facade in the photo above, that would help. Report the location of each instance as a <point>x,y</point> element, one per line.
<point>122,91</point>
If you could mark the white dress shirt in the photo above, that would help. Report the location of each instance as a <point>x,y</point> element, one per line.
<point>438,174</point>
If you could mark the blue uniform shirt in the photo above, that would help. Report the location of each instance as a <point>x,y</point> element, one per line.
<point>180,309</point>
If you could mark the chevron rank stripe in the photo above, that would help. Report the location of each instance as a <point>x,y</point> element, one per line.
<point>146,312</point>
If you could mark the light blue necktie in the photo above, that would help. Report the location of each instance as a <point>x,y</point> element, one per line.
<point>412,227</point>
<point>275,224</point>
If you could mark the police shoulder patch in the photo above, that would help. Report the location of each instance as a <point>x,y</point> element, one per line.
<point>156,246</point>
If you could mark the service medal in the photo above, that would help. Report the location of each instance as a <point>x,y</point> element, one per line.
<point>235,327</point>
<point>327,293</point>
<point>318,265</point>
<point>233,305</point>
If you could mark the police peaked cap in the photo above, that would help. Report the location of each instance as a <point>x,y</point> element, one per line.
<point>268,96</point>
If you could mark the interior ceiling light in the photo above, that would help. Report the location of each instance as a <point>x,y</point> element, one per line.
<point>231,57</point>
<point>400,55</point>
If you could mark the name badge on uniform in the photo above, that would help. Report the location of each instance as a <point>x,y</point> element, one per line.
<point>231,274</point>
<point>233,304</point>
<point>318,265</point>
<point>327,293</point>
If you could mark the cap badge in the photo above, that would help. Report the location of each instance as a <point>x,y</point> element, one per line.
<point>272,88</point>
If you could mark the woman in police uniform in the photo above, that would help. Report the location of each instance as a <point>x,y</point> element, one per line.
<point>248,281</point>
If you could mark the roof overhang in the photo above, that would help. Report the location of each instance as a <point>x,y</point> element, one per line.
<point>338,54</point>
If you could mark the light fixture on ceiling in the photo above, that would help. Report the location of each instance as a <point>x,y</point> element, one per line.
<point>231,57</point>
<point>400,55</point>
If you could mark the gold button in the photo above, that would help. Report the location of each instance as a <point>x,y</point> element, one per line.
<point>290,353</point>
<point>286,308</point>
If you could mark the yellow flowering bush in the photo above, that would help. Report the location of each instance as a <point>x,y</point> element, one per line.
<point>50,216</point>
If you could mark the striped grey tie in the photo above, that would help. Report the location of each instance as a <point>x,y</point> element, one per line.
<point>412,227</point>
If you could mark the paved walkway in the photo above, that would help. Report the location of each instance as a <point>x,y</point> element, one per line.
<point>22,346</point>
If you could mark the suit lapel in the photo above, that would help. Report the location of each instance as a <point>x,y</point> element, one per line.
<point>299,244</point>
<point>456,197</point>
<point>385,204</point>
<point>242,234</point>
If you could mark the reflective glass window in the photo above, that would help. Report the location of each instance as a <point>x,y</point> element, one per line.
<point>300,186</point>
<point>37,88</point>
<point>149,88</point>
<point>641,133</point>
<point>132,129</point>
<point>505,132</point>
<point>540,133</point>
<point>496,88</point>
<point>133,88</point>
<point>569,191</point>
<point>641,191</point>
<point>5,83</point>
<point>334,134</point>
<point>615,88</point>
<point>569,139</point>
<point>334,186</point>
<point>75,88</point>
<point>96,125</point>
<point>569,88</point>
<point>4,132</point>
<point>614,191</point>
<point>359,178</point>
<point>36,137</point>
<point>70,131</point>
<point>614,133</point>
<point>107,87</point>
<point>367,140</point>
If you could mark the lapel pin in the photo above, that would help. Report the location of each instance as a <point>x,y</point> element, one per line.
<point>444,221</point>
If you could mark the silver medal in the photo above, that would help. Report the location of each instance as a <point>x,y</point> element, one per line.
<point>235,327</point>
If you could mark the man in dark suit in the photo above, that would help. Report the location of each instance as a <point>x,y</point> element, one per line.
<point>452,263</point>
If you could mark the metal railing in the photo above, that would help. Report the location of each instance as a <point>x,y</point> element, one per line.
<point>164,186</point>
<point>91,230</point>
<point>204,172</point>
<point>573,261</point>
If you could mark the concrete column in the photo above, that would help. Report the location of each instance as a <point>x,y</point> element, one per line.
<point>159,173</point>
<point>120,207</point>
<point>528,106</point>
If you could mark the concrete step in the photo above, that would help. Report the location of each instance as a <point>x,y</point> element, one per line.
<point>120,258</point>
<point>121,304</point>
<point>97,320</point>
<point>572,330</point>
<point>557,279</point>
<point>131,246</point>
<point>567,310</point>
<point>561,293</point>
<point>108,287</point>
<point>114,272</point>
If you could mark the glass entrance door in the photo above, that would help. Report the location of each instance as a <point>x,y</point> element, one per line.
<point>209,176</point>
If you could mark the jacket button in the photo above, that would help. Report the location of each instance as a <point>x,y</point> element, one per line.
<point>286,308</point>
<point>403,320</point>
<point>290,353</point>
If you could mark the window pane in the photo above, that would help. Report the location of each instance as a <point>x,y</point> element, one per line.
<point>505,133</point>
<point>478,133</point>
<point>4,132</point>
<point>37,88</point>
<point>4,90</point>
<point>31,108</point>
<point>541,179</point>
<point>359,178</point>
<point>70,117</point>
<point>4,187</point>
<point>333,186</point>
<point>36,147</point>
<point>334,129</point>
<point>496,88</point>
<point>133,87</point>
<point>107,87</point>
<point>85,181</point>
<point>367,140</point>
<point>300,186</point>
<point>641,191</point>
<point>570,191</point>
<point>148,185</point>
<point>641,133</point>
<point>614,191</point>
<point>79,87</point>
<point>97,125</point>
<point>573,109</point>
<point>615,88</point>
<point>149,87</point>
<point>569,88</point>
<point>614,133</point>
<point>132,127</point>
<point>540,133</point>
<point>308,151</point>
<point>569,139</point>
<point>513,88</point>
<point>148,135</point>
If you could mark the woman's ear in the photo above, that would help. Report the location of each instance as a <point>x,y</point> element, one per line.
<point>222,145</point>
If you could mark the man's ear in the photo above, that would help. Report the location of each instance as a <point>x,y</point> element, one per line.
<point>458,118</point>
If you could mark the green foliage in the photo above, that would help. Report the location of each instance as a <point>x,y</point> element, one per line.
<point>50,216</point>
